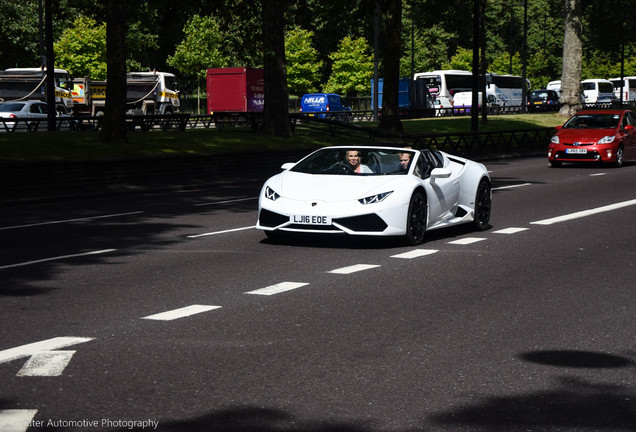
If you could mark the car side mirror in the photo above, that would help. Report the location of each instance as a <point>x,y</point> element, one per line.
<point>287,166</point>
<point>440,173</point>
<point>558,127</point>
<point>629,128</point>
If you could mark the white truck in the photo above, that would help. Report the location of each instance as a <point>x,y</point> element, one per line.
<point>24,84</point>
<point>146,93</point>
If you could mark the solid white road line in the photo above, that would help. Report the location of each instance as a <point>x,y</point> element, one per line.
<point>466,241</point>
<point>278,288</point>
<point>26,263</point>
<point>512,186</point>
<point>221,232</point>
<point>36,347</point>
<point>225,202</point>
<point>353,268</point>
<point>585,213</point>
<point>71,220</point>
<point>180,313</point>
<point>511,230</point>
<point>46,363</point>
<point>16,420</point>
<point>415,253</point>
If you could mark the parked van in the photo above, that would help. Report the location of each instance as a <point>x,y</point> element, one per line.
<point>330,105</point>
<point>629,88</point>
<point>556,86</point>
<point>464,101</point>
<point>593,89</point>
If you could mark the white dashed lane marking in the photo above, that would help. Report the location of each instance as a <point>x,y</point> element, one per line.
<point>47,363</point>
<point>278,288</point>
<point>415,253</point>
<point>353,268</point>
<point>181,312</point>
<point>467,240</point>
<point>16,420</point>
<point>511,230</point>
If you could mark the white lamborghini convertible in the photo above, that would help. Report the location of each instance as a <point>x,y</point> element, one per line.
<point>375,191</point>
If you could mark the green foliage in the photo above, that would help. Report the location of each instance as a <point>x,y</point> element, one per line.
<point>82,49</point>
<point>352,68</point>
<point>303,66</point>
<point>201,48</point>
<point>19,38</point>
<point>462,60</point>
<point>429,47</point>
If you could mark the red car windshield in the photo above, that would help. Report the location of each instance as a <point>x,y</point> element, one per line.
<point>593,121</point>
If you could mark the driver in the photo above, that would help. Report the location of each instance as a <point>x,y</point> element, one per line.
<point>353,159</point>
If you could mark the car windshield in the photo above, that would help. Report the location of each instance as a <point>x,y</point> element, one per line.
<point>343,161</point>
<point>11,106</point>
<point>593,121</point>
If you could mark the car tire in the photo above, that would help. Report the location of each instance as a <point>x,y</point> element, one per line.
<point>483,206</point>
<point>416,219</point>
<point>619,157</point>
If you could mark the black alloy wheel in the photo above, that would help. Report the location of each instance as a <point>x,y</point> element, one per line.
<point>483,204</point>
<point>416,219</point>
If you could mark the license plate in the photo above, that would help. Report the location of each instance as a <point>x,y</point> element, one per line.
<point>576,151</point>
<point>310,220</point>
<point>538,103</point>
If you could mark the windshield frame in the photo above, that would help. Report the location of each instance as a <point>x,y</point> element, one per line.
<point>333,161</point>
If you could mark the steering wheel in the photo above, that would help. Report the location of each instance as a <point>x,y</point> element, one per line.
<point>341,167</point>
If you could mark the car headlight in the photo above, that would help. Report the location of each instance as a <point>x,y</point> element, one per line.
<point>606,139</point>
<point>375,198</point>
<point>555,139</point>
<point>271,194</point>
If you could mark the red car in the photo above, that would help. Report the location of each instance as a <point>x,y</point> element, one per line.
<point>595,136</point>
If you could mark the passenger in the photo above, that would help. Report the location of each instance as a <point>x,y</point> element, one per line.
<point>353,159</point>
<point>405,160</point>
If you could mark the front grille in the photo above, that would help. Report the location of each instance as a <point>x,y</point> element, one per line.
<point>367,223</point>
<point>307,227</point>
<point>270,219</point>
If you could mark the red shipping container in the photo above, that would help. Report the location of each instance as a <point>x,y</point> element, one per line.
<point>235,89</point>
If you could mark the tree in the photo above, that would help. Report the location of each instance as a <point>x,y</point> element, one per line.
<point>82,49</point>
<point>19,38</point>
<point>430,49</point>
<point>114,124</point>
<point>303,66</point>
<point>572,54</point>
<point>201,47</point>
<point>352,68</point>
<point>275,110</point>
<point>391,61</point>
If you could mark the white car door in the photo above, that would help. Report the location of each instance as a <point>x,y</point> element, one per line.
<point>442,187</point>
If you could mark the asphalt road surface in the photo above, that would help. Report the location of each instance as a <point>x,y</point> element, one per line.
<point>169,311</point>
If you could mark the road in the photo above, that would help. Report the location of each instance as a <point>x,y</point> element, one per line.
<point>169,311</point>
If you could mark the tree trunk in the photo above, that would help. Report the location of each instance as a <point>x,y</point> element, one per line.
<point>275,110</point>
<point>572,54</point>
<point>390,93</point>
<point>114,124</point>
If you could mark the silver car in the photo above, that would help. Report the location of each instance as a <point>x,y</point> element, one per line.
<point>29,115</point>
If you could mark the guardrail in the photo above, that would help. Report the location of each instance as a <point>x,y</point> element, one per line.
<point>183,121</point>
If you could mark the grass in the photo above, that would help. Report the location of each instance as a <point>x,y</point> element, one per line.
<point>84,145</point>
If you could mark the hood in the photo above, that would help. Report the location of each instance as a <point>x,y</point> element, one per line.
<point>302,187</point>
<point>584,135</point>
